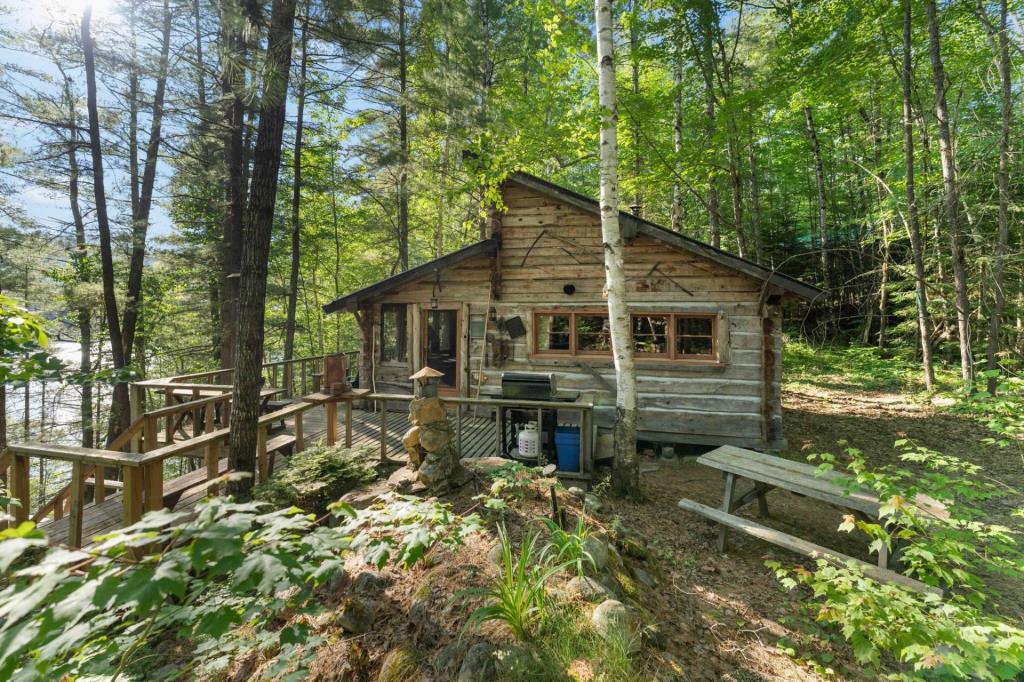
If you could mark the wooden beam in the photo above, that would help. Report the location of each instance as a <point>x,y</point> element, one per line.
<point>19,488</point>
<point>153,475</point>
<point>131,499</point>
<point>801,546</point>
<point>77,505</point>
<point>211,453</point>
<point>348,423</point>
<point>300,437</point>
<point>331,408</point>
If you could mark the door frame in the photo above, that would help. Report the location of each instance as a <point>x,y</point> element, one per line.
<point>425,344</point>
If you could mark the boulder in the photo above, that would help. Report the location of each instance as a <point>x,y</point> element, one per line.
<point>591,504</point>
<point>587,589</point>
<point>479,664</point>
<point>612,618</point>
<point>576,492</point>
<point>447,660</point>
<point>643,577</point>
<point>402,480</point>
<point>434,436</point>
<point>355,616</point>
<point>411,443</point>
<point>427,410</point>
<point>598,552</point>
<point>368,582</point>
<point>399,666</point>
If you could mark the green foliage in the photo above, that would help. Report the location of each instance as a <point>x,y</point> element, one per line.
<point>513,483</point>
<point>929,514</point>
<point>517,596</point>
<point>23,342</point>
<point>854,367</point>
<point>569,547</point>
<point>318,475</point>
<point>218,581</point>
<point>1003,412</point>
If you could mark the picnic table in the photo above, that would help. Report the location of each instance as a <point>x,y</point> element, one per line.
<point>768,472</point>
<point>186,395</point>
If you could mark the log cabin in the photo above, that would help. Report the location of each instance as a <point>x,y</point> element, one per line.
<point>528,300</point>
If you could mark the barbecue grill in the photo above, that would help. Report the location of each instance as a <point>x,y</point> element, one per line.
<point>527,386</point>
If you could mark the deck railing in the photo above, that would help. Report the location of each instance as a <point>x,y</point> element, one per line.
<point>296,377</point>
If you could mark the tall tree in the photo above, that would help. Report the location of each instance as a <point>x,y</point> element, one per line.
<point>626,469</point>
<point>256,245</point>
<point>924,319</point>
<point>293,276</point>
<point>951,197</point>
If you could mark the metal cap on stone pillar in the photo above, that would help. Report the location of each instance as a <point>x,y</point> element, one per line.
<point>427,382</point>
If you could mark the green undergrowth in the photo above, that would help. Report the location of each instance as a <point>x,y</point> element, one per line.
<point>317,476</point>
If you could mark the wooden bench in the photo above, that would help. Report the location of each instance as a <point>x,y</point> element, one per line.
<point>767,472</point>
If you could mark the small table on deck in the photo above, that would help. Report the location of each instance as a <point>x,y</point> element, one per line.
<point>767,472</point>
<point>183,396</point>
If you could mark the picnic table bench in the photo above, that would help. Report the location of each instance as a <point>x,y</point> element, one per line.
<point>182,396</point>
<point>767,472</point>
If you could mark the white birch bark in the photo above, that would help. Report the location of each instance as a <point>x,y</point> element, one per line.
<point>626,470</point>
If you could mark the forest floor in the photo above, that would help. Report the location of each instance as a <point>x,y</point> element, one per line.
<point>722,617</point>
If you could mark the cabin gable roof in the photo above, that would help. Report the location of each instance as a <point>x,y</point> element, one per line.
<point>632,226</point>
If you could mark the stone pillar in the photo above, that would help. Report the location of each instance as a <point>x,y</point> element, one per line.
<point>430,443</point>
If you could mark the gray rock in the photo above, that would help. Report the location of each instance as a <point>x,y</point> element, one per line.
<point>447,659</point>
<point>643,577</point>
<point>655,637</point>
<point>479,664</point>
<point>576,492</point>
<point>399,665</point>
<point>495,555</point>
<point>337,582</point>
<point>513,663</point>
<point>612,618</point>
<point>419,608</point>
<point>402,480</point>
<point>668,452</point>
<point>598,552</point>
<point>355,616</point>
<point>368,582</point>
<point>591,503</point>
<point>587,589</point>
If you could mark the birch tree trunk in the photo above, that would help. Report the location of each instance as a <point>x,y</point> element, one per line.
<point>924,320</point>
<point>951,197</point>
<point>626,469</point>
<point>252,292</point>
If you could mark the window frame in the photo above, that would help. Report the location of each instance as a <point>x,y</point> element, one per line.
<point>671,356</point>
<point>402,314</point>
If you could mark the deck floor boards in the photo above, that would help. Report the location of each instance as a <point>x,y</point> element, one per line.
<point>478,440</point>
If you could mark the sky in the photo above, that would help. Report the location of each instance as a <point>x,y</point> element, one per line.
<point>48,208</point>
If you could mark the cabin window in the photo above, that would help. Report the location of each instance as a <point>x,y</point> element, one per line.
<point>695,336</point>
<point>656,335</point>
<point>650,334</point>
<point>393,334</point>
<point>554,333</point>
<point>593,333</point>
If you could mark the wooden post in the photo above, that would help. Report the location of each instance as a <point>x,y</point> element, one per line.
<point>262,465</point>
<point>196,411</point>
<point>77,504</point>
<point>58,508</point>
<point>274,380</point>
<point>131,500</point>
<point>383,430</point>
<point>99,491</point>
<point>498,430</point>
<point>154,481</point>
<point>211,453</point>
<point>168,401</point>
<point>331,407</point>
<point>211,415</point>
<point>19,487</point>
<point>458,428</point>
<point>348,423</point>
<point>300,437</point>
<point>302,367</point>
<point>137,407</point>
<point>149,431</point>
<point>730,489</point>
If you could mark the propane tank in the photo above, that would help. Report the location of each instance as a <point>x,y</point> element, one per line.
<point>529,441</point>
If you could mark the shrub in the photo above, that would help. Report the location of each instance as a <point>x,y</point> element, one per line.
<point>959,636</point>
<point>568,548</point>
<point>317,476</point>
<point>517,595</point>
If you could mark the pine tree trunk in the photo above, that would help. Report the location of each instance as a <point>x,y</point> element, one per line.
<point>245,402</point>
<point>140,217</point>
<point>819,181</point>
<point>119,408</point>
<point>951,198</point>
<point>403,142</point>
<point>232,84</point>
<point>634,60</point>
<point>755,201</point>
<point>293,279</point>
<point>677,144</point>
<point>924,320</point>
<point>999,260</point>
<point>626,468</point>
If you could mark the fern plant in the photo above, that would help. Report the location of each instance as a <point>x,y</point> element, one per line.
<point>516,597</point>
<point>568,548</point>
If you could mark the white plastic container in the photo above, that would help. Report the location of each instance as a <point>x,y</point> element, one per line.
<point>529,441</point>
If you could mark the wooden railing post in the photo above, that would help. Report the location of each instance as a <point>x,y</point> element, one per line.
<point>168,401</point>
<point>99,491</point>
<point>154,482</point>
<point>348,423</point>
<point>300,437</point>
<point>196,412</point>
<point>149,431</point>
<point>383,430</point>
<point>137,406</point>
<point>19,487</point>
<point>77,505</point>
<point>302,367</point>
<point>211,453</point>
<point>210,416</point>
<point>262,465</point>
<point>331,406</point>
<point>131,498</point>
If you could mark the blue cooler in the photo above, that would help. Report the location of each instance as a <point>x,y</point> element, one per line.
<point>567,447</point>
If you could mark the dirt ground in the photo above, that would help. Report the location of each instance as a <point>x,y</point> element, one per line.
<point>725,616</point>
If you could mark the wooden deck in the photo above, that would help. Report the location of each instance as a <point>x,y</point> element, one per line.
<point>478,440</point>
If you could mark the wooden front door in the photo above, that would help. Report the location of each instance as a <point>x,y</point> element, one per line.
<point>441,345</point>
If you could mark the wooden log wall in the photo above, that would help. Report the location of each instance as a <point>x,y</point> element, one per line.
<point>547,245</point>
